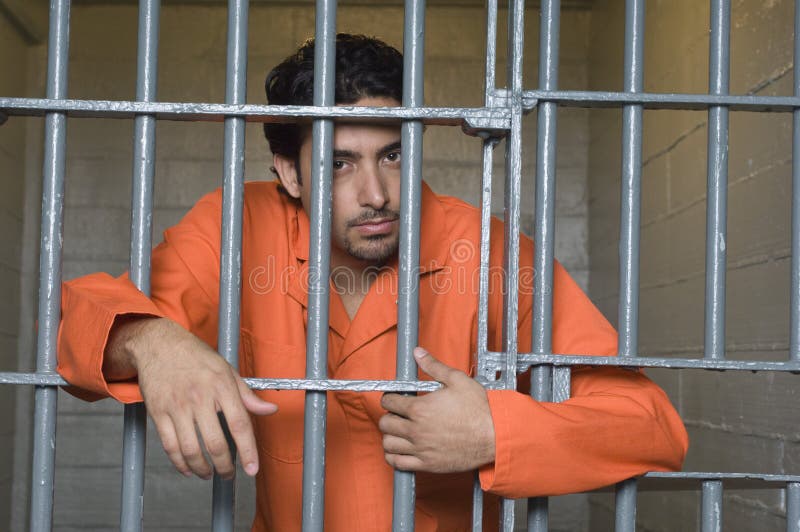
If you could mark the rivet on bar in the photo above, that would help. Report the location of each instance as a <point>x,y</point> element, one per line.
<point>717,210</point>
<point>44,424</point>
<point>231,234</point>
<point>408,253</point>
<point>316,405</point>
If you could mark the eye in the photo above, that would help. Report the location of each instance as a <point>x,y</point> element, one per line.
<point>338,164</point>
<point>393,157</point>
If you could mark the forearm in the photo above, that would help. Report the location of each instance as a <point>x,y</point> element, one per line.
<point>128,338</point>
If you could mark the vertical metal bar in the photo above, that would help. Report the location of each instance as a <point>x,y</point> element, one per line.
<point>793,507</point>
<point>477,505</point>
<point>716,214</point>
<point>222,517</point>
<point>631,182</point>
<point>513,185</point>
<point>711,511</point>
<point>44,426</point>
<point>134,441</point>
<point>316,405</point>
<point>625,512</point>
<point>486,193</point>
<point>486,216</point>
<point>544,232</point>
<point>629,222</point>
<point>408,262</point>
<point>794,321</point>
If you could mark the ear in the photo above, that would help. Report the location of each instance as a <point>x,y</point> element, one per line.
<point>287,173</point>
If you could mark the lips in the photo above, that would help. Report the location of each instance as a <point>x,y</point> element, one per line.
<point>376,226</point>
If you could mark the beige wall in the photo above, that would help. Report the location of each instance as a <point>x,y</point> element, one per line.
<point>192,68</point>
<point>737,421</point>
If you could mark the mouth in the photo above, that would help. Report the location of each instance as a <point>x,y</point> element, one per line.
<point>376,226</point>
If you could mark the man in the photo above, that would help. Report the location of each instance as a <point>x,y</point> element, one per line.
<point>114,341</point>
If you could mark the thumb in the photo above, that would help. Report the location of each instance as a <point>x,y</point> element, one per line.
<point>252,402</point>
<point>439,371</point>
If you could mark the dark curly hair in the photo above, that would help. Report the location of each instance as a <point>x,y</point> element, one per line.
<point>365,67</point>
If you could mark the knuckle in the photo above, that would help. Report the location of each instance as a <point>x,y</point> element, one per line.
<point>238,423</point>
<point>217,447</point>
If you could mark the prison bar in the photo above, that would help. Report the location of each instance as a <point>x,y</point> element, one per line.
<point>794,306</point>
<point>793,507</point>
<point>717,195</point>
<point>711,506</point>
<point>222,517</point>
<point>134,439</point>
<point>511,201</point>
<point>404,488</point>
<point>50,252</point>
<point>483,373</point>
<point>629,227</point>
<point>544,252</point>
<point>316,405</point>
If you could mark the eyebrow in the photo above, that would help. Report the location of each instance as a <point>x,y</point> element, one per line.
<point>350,154</point>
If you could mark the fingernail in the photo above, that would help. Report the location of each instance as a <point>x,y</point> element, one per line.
<point>187,474</point>
<point>251,469</point>
<point>420,353</point>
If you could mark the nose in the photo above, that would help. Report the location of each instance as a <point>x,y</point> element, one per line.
<point>372,191</point>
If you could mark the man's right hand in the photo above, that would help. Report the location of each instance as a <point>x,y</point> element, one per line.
<point>185,385</point>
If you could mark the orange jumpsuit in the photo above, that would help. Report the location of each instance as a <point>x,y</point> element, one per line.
<point>617,423</point>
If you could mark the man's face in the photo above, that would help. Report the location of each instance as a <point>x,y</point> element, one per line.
<point>366,189</point>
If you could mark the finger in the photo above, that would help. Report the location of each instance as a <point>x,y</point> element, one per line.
<point>189,445</point>
<point>216,444</point>
<point>169,441</point>
<point>404,462</point>
<point>252,402</point>
<point>398,404</point>
<point>437,370</point>
<point>396,426</point>
<point>396,445</point>
<point>241,428</point>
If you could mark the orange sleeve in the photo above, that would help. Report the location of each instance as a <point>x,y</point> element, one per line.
<point>617,423</point>
<point>184,285</point>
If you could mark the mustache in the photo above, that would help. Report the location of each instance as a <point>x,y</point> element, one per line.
<point>373,214</point>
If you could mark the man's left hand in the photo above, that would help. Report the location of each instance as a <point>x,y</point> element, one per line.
<point>446,431</point>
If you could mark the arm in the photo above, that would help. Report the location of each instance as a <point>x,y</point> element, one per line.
<point>114,341</point>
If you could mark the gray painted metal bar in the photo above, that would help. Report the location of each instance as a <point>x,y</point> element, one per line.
<point>486,206</point>
<point>134,440</point>
<point>711,506</point>
<point>794,312</point>
<point>404,493</point>
<point>216,112</point>
<point>625,502</point>
<point>316,406</point>
<point>544,231</point>
<point>513,186</point>
<point>222,516</point>
<point>630,214</point>
<point>526,360</point>
<point>477,505</point>
<point>631,197</point>
<point>716,214</point>
<point>793,507</point>
<point>52,231</point>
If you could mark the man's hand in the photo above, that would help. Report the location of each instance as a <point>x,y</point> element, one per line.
<point>446,431</point>
<point>185,384</point>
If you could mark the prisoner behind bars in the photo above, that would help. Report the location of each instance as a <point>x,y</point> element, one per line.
<point>115,341</point>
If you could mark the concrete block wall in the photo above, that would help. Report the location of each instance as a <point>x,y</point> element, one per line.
<point>737,421</point>
<point>192,68</point>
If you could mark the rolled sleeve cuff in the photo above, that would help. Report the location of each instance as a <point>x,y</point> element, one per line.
<point>90,306</point>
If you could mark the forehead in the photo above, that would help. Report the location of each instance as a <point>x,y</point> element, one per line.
<point>362,137</point>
